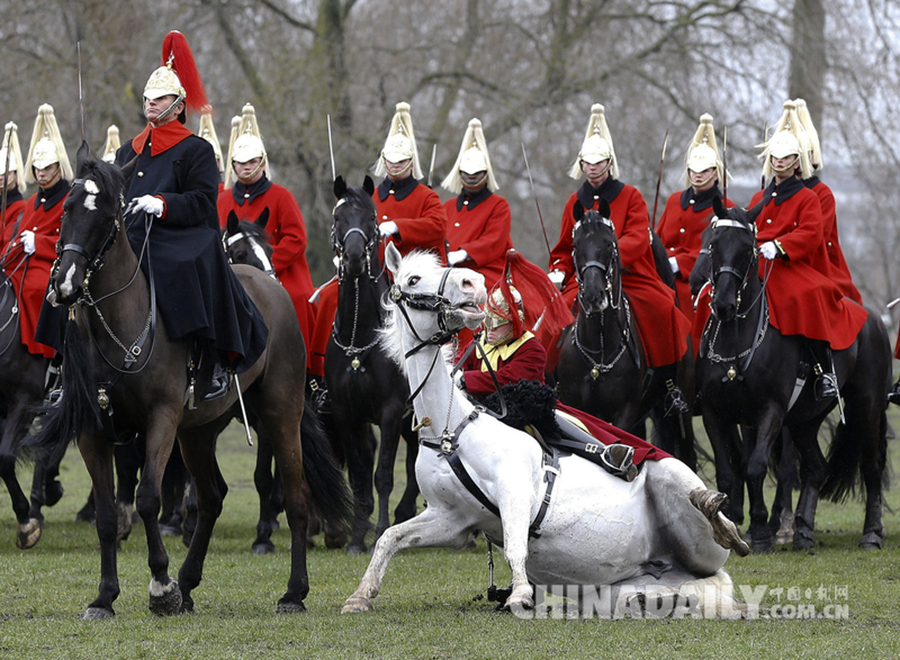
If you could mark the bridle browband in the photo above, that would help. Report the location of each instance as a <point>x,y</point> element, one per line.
<point>255,245</point>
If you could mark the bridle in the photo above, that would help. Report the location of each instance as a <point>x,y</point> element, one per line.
<point>259,250</point>
<point>606,268</point>
<point>742,277</point>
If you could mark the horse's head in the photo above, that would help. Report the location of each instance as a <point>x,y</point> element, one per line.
<point>436,302</point>
<point>248,242</point>
<point>733,257</point>
<point>354,234</point>
<point>90,223</point>
<point>595,252</point>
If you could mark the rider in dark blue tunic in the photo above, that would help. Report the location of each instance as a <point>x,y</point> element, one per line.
<point>175,184</point>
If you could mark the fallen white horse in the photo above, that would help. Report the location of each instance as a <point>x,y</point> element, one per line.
<point>598,529</point>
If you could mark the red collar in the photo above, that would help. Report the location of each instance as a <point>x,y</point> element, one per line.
<point>163,138</point>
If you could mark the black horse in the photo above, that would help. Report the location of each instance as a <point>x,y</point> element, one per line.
<point>102,399</point>
<point>21,393</point>
<point>602,367</point>
<point>366,386</point>
<point>748,374</point>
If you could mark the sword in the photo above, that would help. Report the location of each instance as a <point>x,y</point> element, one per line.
<point>331,149</point>
<point>762,183</point>
<point>237,385</point>
<point>80,96</point>
<point>662,160</point>
<point>431,169</point>
<point>724,163</point>
<point>536,204</point>
<point>6,141</point>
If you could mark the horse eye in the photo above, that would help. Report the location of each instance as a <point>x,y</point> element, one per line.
<point>413,280</point>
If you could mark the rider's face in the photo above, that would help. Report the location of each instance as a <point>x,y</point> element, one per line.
<point>596,173</point>
<point>47,176</point>
<point>249,172</point>
<point>153,108</point>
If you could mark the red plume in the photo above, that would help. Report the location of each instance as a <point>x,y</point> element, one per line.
<point>542,301</point>
<point>175,46</point>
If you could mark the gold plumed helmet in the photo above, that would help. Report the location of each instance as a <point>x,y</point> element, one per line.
<point>11,155</point>
<point>177,75</point>
<point>401,143</point>
<point>815,156</point>
<point>246,144</point>
<point>703,153</point>
<point>207,130</point>
<point>497,311</point>
<point>112,144</point>
<point>473,158</point>
<point>46,146</point>
<point>597,145</point>
<point>789,139</point>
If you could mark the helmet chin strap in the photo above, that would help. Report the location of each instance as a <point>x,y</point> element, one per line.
<point>602,172</point>
<point>401,172</point>
<point>247,178</point>
<point>788,167</point>
<point>475,186</point>
<point>704,182</point>
<point>168,111</point>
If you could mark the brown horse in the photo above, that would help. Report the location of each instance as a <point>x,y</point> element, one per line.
<point>99,277</point>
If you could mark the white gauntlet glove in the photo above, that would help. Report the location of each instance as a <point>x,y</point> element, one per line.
<point>27,238</point>
<point>673,262</point>
<point>387,229</point>
<point>149,203</point>
<point>557,277</point>
<point>768,250</point>
<point>456,257</point>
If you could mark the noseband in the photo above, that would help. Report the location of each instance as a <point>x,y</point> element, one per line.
<point>581,269</point>
<point>427,302</point>
<point>742,277</point>
<point>338,245</point>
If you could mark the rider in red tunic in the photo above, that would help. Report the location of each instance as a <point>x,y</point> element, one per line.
<point>248,192</point>
<point>12,179</point>
<point>664,329</point>
<point>803,299</point>
<point>688,212</point>
<point>31,243</point>
<point>409,214</point>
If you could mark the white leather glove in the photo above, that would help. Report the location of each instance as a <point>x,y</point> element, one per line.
<point>27,239</point>
<point>149,203</point>
<point>457,256</point>
<point>673,262</point>
<point>557,277</point>
<point>768,250</point>
<point>387,229</point>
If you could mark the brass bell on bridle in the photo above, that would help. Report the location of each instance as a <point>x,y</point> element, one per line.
<point>355,363</point>
<point>731,373</point>
<point>595,373</point>
<point>103,398</point>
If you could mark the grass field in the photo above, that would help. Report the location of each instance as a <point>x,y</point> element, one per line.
<point>432,604</point>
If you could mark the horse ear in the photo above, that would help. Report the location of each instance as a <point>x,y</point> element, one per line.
<point>718,208</point>
<point>369,185</point>
<point>754,212</point>
<point>130,167</point>
<point>603,208</point>
<point>84,155</point>
<point>578,211</point>
<point>392,258</point>
<point>263,218</point>
<point>340,188</point>
<point>233,222</point>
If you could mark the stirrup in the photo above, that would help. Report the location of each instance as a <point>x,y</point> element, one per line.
<point>894,395</point>
<point>674,403</point>
<point>617,460</point>
<point>826,385</point>
<point>318,393</point>
<point>219,384</point>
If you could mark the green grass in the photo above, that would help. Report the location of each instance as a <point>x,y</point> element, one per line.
<point>431,606</point>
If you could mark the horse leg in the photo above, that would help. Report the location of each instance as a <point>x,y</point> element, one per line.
<point>360,466</point>
<point>434,527</point>
<point>724,438</point>
<point>760,440</point>
<point>391,424</point>
<point>199,452</point>
<point>174,484</point>
<point>28,529</point>
<point>781,519</point>
<point>98,459</point>
<point>165,598</point>
<point>129,459</point>
<point>873,461</point>
<point>264,481</point>
<point>406,508</point>
<point>813,470</point>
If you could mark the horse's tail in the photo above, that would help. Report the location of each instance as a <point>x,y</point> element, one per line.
<point>331,496</point>
<point>845,460</point>
<point>77,411</point>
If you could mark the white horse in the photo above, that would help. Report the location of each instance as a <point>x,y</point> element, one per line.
<point>599,529</point>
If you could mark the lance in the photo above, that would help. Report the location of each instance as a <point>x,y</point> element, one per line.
<point>331,149</point>
<point>6,141</point>
<point>431,169</point>
<point>536,203</point>
<point>662,160</point>
<point>80,96</point>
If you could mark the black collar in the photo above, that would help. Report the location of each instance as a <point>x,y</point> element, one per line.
<point>401,189</point>
<point>242,192</point>
<point>473,200</point>
<point>13,196</point>
<point>700,201</point>
<point>608,190</point>
<point>782,191</point>
<point>52,196</point>
<point>812,181</point>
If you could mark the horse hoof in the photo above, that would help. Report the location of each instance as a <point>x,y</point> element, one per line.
<point>53,493</point>
<point>266,548</point>
<point>357,604</point>
<point>333,542</point>
<point>804,539</point>
<point>169,530</point>
<point>761,546</point>
<point>29,534</point>
<point>166,599</point>
<point>97,614</point>
<point>519,604</point>
<point>124,524</point>
<point>356,549</point>
<point>871,541</point>
<point>290,607</point>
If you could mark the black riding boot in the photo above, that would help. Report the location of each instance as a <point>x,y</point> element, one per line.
<point>53,381</point>
<point>894,395</point>
<point>674,403</point>
<point>219,383</point>
<point>318,394</point>
<point>826,382</point>
<point>616,459</point>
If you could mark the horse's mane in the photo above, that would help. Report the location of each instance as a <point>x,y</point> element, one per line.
<point>358,198</point>
<point>419,261</point>
<point>108,177</point>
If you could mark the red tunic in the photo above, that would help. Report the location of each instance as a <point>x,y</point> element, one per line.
<point>803,299</point>
<point>14,208</point>
<point>663,328</point>
<point>840,272</point>
<point>480,225</point>
<point>684,218</point>
<point>528,362</point>
<point>288,236</point>
<point>43,219</point>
